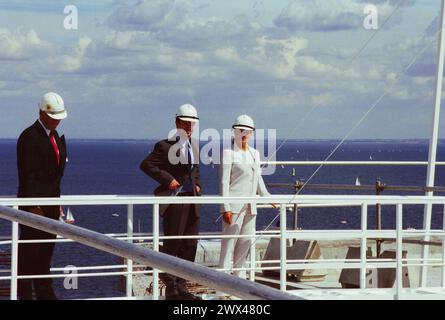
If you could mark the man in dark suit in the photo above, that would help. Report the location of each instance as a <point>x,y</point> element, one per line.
<point>41,157</point>
<point>174,163</point>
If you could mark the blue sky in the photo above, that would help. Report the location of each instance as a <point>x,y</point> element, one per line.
<point>288,64</point>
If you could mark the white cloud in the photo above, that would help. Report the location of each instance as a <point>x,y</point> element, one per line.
<point>153,55</point>
<point>227,54</point>
<point>392,77</point>
<point>422,81</point>
<point>22,44</point>
<point>278,55</point>
<point>311,65</point>
<point>323,99</point>
<point>150,15</point>
<point>289,100</point>
<point>73,61</point>
<point>320,15</point>
<point>374,73</point>
<point>332,15</point>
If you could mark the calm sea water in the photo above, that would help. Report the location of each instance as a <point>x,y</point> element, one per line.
<point>112,167</point>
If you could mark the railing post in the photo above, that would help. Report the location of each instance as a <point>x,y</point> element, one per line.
<point>130,262</point>
<point>379,187</point>
<point>363,246</point>
<point>443,247</point>
<point>252,259</point>
<point>14,258</point>
<point>298,185</point>
<point>155,248</point>
<point>425,251</point>
<point>283,247</point>
<point>399,248</point>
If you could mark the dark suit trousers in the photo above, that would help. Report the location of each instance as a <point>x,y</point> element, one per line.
<point>35,259</point>
<point>179,219</point>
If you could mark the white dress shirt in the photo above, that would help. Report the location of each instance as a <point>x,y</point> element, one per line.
<point>46,130</point>
<point>186,147</point>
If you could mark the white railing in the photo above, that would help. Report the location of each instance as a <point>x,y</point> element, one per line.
<point>362,234</point>
<point>349,163</point>
<point>184,269</point>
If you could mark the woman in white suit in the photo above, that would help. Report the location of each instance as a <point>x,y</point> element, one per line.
<point>240,176</point>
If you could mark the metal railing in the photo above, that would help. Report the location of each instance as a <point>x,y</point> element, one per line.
<point>349,163</point>
<point>363,234</point>
<point>379,187</point>
<point>185,269</point>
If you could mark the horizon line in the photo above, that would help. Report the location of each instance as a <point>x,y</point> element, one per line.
<point>278,139</point>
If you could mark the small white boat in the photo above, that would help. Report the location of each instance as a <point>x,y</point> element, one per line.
<point>357,182</point>
<point>70,217</point>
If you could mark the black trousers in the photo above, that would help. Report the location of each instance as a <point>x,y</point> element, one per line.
<point>179,219</point>
<point>35,259</point>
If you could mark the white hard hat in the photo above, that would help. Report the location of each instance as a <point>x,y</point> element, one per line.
<point>187,112</point>
<point>244,122</point>
<point>53,105</point>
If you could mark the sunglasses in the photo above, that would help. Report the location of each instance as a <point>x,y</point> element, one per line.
<point>243,130</point>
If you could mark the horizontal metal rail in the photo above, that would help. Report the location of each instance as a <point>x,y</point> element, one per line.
<point>281,199</point>
<point>353,187</point>
<point>351,163</point>
<point>361,235</point>
<point>217,280</point>
<point>386,235</point>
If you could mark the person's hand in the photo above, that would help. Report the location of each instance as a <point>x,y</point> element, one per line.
<point>37,210</point>
<point>227,217</point>
<point>174,184</point>
<point>198,189</point>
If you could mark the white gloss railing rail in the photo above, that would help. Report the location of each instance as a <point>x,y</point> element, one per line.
<point>185,269</point>
<point>283,200</point>
<point>349,163</point>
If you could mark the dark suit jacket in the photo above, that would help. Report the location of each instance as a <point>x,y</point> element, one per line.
<point>39,174</point>
<point>157,166</point>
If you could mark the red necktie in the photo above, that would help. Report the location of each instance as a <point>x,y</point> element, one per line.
<point>54,144</point>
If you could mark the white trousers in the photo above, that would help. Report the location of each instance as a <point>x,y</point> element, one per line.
<point>236,249</point>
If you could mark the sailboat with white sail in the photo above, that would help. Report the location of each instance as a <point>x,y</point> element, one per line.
<point>69,217</point>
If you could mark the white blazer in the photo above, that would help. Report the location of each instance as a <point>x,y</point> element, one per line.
<point>241,176</point>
